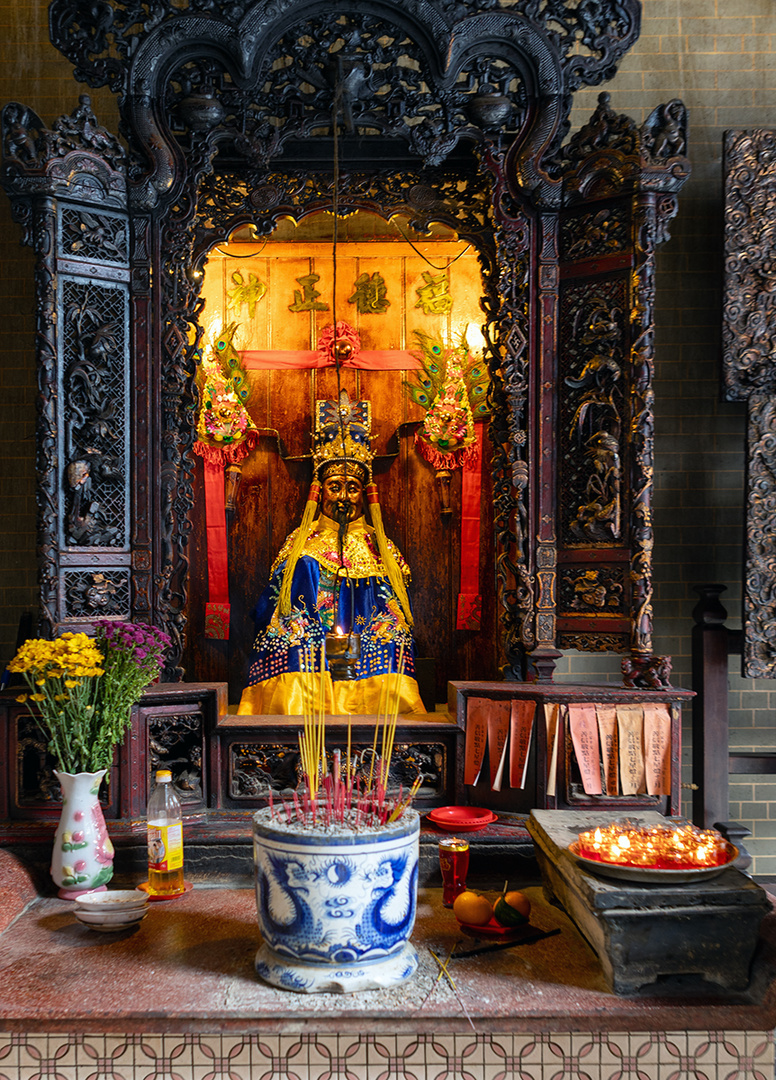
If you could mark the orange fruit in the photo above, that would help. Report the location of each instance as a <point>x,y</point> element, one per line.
<point>512,908</point>
<point>472,908</point>
<point>519,901</point>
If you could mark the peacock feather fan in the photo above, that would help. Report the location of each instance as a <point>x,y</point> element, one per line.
<point>477,381</point>
<point>430,381</point>
<point>232,364</point>
<point>452,388</point>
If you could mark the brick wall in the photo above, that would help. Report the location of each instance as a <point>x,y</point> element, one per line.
<point>718,56</point>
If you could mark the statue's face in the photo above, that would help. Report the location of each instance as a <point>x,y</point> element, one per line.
<point>342,493</point>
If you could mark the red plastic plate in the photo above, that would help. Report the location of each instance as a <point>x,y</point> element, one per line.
<point>461,818</point>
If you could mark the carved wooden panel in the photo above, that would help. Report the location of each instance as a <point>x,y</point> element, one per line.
<point>69,191</point>
<point>258,768</point>
<point>176,741</point>
<point>35,792</point>
<point>613,172</point>
<point>748,346</point>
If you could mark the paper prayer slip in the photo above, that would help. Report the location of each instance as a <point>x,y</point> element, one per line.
<point>520,732</point>
<point>607,731</point>
<point>551,713</point>
<point>584,736</point>
<point>477,712</point>
<point>657,747</point>
<point>498,732</point>
<point>630,729</point>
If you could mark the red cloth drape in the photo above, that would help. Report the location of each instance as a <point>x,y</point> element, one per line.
<point>469,599</point>
<point>217,608</point>
<point>365,359</point>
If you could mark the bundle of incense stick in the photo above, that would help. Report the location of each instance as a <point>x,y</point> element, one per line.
<point>329,797</point>
<point>312,740</point>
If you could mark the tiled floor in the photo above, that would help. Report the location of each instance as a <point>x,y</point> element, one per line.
<point>696,1055</point>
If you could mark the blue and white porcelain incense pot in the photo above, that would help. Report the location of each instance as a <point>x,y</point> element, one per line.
<point>336,906</point>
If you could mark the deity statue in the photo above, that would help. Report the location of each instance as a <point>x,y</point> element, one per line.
<point>335,578</point>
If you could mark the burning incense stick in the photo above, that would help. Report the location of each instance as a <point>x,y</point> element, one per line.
<point>389,725</point>
<point>325,797</point>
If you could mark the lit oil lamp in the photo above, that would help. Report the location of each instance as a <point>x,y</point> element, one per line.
<point>342,653</point>
<point>656,847</point>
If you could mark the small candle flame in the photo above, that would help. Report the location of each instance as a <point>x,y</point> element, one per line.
<point>339,631</point>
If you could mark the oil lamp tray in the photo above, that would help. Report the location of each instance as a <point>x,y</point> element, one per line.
<point>650,875</point>
<point>642,932</point>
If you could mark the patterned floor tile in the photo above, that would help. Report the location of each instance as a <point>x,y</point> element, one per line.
<point>698,1055</point>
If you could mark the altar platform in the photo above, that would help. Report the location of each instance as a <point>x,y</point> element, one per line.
<point>178,997</point>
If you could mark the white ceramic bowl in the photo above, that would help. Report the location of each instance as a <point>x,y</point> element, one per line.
<point>110,921</point>
<point>112,900</point>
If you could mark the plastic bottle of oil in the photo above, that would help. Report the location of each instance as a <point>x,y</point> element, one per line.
<point>165,839</point>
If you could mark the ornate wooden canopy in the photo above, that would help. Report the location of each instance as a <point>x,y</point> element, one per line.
<point>444,112</point>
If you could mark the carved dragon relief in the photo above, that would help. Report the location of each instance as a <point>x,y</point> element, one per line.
<point>624,179</point>
<point>95,414</point>
<point>587,41</point>
<point>81,451</point>
<point>748,345</point>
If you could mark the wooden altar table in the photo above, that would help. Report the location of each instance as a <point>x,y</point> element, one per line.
<point>178,996</point>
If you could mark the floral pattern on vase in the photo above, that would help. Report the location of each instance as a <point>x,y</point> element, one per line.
<point>336,910</point>
<point>82,859</point>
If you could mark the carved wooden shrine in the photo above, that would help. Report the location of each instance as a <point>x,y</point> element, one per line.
<point>448,117</point>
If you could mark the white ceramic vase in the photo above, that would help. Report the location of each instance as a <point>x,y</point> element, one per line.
<point>336,911</point>
<point>82,859</point>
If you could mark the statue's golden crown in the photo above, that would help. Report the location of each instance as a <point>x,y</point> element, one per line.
<point>343,436</point>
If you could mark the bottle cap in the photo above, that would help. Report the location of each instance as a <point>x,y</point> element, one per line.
<point>163,776</point>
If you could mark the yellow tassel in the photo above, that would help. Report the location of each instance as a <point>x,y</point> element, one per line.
<point>395,575</point>
<point>306,527</point>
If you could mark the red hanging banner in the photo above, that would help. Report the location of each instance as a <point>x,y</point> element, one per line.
<point>469,598</point>
<point>217,608</point>
<point>226,435</point>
